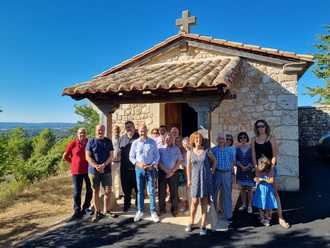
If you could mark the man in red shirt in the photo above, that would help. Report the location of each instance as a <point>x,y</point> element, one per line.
<point>75,155</point>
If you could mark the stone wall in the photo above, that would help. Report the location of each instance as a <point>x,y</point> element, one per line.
<point>138,113</point>
<point>313,123</point>
<point>264,92</point>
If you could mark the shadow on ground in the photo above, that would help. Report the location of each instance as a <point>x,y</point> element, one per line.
<point>306,210</point>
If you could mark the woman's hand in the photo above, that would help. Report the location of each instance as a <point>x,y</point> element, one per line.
<point>188,183</point>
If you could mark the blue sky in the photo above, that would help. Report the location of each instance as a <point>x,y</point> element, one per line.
<point>48,45</point>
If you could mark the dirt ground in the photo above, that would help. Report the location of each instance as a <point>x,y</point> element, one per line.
<point>42,206</point>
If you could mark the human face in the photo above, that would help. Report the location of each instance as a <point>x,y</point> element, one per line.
<point>81,133</point>
<point>175,132</point>
<point>243,139</point>
<point>261,127</point>
<point>221,141</point>
<point>168,139</point>
<point>116,131</point>
<point>155,133</point>
<point>143,131</point>
<point>186,145</point>
<point>100,131</point>
<point>198,141</point>
<point>229,140</point>
<point>162,130</point>
<point>130,129</point>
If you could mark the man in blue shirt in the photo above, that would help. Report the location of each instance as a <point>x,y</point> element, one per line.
<point>222,179</point>
<point>145,156</point>
<point>99,152</point>
<point>170,160</point>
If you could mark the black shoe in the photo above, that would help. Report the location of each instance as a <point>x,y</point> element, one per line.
<point>126,208</point>
<point>97,216</point>
<point>230,220</point>
<point>162,211</point>
<point>174,213</point>
<point>112,215</point>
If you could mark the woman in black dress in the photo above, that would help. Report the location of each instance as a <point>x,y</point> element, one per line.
<point>265,144</point>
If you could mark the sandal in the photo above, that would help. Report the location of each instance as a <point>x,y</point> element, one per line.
<point>284,224</point>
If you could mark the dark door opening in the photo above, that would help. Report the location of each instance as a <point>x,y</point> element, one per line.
<point>189,120</point>
<point>182,116</point>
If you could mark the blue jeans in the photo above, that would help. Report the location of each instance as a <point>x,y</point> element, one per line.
<point>222,181</point>
<point>143,176</point>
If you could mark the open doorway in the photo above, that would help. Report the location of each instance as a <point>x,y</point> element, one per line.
<point>181,115</point>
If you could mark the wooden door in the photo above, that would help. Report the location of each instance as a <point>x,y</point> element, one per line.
<point>173,116</point>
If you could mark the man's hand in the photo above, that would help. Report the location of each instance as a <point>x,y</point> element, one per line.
<point>188,182</point>
<point>147,166</point>
<point>140,164</point>
<point>100,168</point>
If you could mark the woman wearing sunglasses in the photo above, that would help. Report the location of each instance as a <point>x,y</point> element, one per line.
<point>264,144</point>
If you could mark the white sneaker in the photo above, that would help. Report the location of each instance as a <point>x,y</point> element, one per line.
<point>242,208</point>
<point>154,217</point>
<point>250,210</point>
<point>138,216</point>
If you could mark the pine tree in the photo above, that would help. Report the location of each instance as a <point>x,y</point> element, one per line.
<point>322,68</point>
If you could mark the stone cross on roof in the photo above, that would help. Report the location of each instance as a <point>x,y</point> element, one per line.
<point>185,22</point>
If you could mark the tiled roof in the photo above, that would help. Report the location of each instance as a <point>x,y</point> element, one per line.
<point>170,75</point>
<point>210,40</point>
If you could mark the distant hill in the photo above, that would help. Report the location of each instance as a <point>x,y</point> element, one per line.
<point>59,128</point>
<point>42,125</point>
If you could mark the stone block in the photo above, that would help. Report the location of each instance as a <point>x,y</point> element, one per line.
<point>288,147</point>
<point>288,165</point>
<point>288,183</point>
<point>288,102</point>
<point>286,132</point>
<point>289,117</point>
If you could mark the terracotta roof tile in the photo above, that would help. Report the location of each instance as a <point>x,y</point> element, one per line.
<point>171,75</point>
<point>210,40</point>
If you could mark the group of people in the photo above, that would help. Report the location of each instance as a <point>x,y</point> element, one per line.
<point>184,170</point>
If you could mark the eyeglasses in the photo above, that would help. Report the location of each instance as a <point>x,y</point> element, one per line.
<point>229,139</point>
<point>260,126</point>
<point>243,137</point>
<point>155,133</point>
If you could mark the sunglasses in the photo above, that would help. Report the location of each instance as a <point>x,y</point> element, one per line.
<point>243,137</point>
<point>260,126</point>
<point>229,139</point>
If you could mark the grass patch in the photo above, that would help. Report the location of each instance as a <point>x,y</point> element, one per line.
<point>9,190</point>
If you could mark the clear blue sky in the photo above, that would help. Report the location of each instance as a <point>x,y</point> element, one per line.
<point>48,45</point>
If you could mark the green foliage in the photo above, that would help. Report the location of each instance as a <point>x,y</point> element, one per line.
<point>40,166</point>
<point>43,142</point>
<point>322,68</point>
<point>90,118</point>
<point>19,145</point>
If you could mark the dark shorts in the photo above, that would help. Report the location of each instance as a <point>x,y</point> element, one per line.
<point>98,178</point>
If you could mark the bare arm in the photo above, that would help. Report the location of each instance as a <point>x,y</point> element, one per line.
<point>109,160</point>
<point>189,168</point>
<point>213,161</point>
<point>253,149</point>
<point>274,149</point>
<point>90,160</point>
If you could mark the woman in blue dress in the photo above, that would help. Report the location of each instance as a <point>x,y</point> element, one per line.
<point>245,170</point>
<point>264,198</point>
<point>200,167</point>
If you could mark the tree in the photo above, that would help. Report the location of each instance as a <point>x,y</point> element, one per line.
<point>322,68</point>
<point>43,142</point>
<point>90,118</point>
<point>19,145</point>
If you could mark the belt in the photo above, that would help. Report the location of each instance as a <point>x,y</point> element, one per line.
<point>229,170</point>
